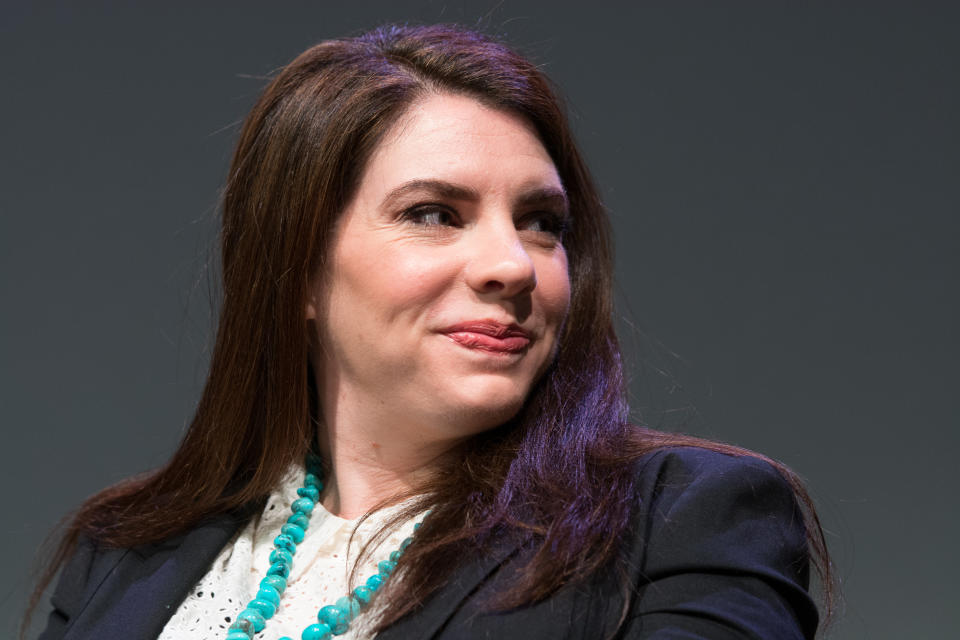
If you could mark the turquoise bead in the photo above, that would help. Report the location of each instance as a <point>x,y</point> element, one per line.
<point>311,480</point>
<point>349,604</point>
<point>309,492</point>
<point>265,607</point>
<point>269,594</point>
<point>278,555</point>
<point>316,632</point>
<point>254,617</point>
<point>243,626</point>
<point>303,505</point>
<point>294,531</point>
<point>277,582</point>
<point>332,619</point>
<point>300,520</point>
<point>386,567</point>
<point>363,594</point>
<point>285,638</point>
<point>283,541</point>
<point>335,618</point>
<point>281,569</point>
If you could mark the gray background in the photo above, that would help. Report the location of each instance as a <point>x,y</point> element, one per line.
<point>783,181</point>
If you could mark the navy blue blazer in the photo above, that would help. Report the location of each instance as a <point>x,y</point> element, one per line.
<point>717,551</point>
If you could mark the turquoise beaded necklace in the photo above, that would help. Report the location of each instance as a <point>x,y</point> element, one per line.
<point>333,619</point>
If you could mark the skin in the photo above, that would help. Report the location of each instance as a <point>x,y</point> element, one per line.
<point>457,218</point>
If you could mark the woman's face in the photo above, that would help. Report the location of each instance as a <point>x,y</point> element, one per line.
<point>447,281</point>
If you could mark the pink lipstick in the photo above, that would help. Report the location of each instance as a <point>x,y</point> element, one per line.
<point>489,335</point>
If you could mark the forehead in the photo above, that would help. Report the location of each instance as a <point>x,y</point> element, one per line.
<point>457,138</point>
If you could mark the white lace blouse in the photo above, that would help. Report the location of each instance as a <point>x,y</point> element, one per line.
<point>321,567</point>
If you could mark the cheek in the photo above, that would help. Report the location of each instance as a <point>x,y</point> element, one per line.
<point>553,283</point>
<point>390,281</point>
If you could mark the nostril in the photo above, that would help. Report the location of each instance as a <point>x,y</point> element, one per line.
<point>494,285</point>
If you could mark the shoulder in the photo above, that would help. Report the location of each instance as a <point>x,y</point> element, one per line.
<point>105,591</point>
<point>690,460</point>
<point>84,570</point>
<point>721,535</point>
<point>687,471</point>
<point>700,495</point>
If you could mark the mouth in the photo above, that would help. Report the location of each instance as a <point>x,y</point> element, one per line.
<point>489,335</point>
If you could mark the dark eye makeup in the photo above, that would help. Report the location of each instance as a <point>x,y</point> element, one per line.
<point>430,215</point>
<point>550,223</point>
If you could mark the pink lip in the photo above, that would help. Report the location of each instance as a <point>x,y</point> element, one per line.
<point>489,335</point>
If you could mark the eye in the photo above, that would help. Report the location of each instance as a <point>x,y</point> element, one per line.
<point>546,223</point>
<point>430,215</point>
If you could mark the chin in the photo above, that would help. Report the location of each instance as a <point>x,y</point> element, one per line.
<point>488,405</point>
<point>468,421</point>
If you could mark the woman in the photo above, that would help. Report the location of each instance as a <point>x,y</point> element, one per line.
<point>417,316</point>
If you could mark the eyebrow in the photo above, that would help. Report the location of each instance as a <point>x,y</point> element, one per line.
<point>541,196</point>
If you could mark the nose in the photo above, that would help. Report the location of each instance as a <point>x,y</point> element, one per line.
<point>500,263</point>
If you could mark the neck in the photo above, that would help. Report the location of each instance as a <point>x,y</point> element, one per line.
<point>373,458</point>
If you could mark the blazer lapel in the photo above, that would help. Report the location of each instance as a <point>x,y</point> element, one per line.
<point>146,585</point>
<point>429,621</point>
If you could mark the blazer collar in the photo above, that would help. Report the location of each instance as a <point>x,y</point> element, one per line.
<point>145,585</point>
<point>429,621</point>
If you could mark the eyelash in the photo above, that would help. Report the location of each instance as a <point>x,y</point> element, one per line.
<point>414,213</point>
<point>556,224</point>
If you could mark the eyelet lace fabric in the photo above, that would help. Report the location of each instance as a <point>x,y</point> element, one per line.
<point>321,568</point>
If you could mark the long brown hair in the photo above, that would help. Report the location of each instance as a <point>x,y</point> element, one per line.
<point>298,160</point>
